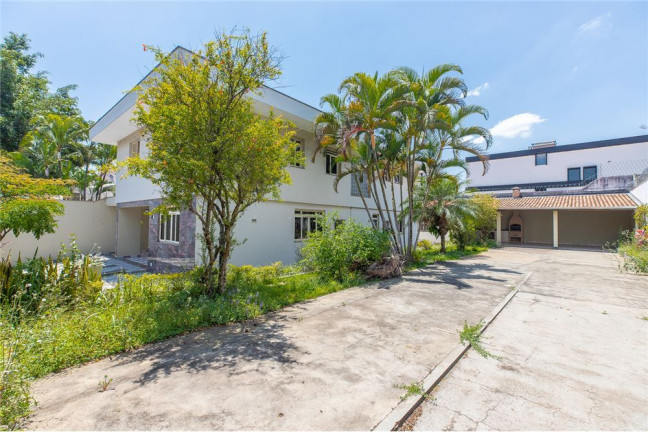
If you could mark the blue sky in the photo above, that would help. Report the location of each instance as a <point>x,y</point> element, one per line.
<point>569,71</point>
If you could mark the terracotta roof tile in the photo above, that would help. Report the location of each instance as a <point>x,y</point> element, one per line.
<point>593,201</point>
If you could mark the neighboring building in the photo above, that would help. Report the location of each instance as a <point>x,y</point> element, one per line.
<point>578,194</point>
<point>269,232</point>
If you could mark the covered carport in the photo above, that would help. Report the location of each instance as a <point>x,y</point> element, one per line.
<point>564,220</point>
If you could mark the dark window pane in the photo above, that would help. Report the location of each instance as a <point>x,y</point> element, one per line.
<point>177,228</point>
<point>297,228</point>
<point>304,227</point>
<point>589,173</point>
<point>573,174</point>
<point>541,159</point>
<point>167,226</point>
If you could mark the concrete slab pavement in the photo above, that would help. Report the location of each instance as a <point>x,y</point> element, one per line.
<point>330,363</point>
<point>574,348</point>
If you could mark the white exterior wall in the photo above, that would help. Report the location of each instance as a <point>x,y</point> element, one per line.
<point>641,192</point>
<point>128,189</point>
<point>271,237</point>
<point>93,223</point>
<point>523,169</point>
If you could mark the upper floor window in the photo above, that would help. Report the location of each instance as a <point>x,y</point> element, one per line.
<point>541,159</point>
<point>331,164</point>
<point>299,153</point>
<point>170,228</point>
<point>590,173</point>
<point>134,149</point>
<point>573,174</point>
<point>364,186</point>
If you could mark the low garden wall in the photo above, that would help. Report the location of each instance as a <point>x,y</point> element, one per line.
<point>93,223</point>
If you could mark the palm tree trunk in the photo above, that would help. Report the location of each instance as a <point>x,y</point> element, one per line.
<point>364,202</point>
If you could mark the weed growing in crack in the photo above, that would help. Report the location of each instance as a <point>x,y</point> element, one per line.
<point>472,335</point>
<point>104,383</point>
<point>413,389</point>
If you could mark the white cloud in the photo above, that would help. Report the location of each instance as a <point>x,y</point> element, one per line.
<point>477,90</point>
<point>517,126</point>
<point>597,26</point>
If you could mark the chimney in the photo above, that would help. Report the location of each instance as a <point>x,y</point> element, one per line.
<point>516,192</point>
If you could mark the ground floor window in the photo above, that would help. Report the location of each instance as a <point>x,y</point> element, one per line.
<point>170,228</point>
<point>306,222</point>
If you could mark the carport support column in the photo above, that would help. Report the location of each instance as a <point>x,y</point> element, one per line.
<point>555,228</point>
<point>498,233</point>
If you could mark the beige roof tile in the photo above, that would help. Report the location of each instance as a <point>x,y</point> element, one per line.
<point>593,201</point>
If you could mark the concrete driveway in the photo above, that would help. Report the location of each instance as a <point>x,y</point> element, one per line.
<point>574,348</point>
<point>331,363</point>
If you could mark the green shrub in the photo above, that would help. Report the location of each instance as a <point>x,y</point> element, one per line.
<point>633,247</point>
<point>424,245</point>
<point>38,284</point>
<point>339,251</point>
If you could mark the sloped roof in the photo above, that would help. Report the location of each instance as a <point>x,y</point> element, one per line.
<point>574,202</point>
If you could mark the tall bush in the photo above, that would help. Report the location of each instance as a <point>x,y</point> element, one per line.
<point>338,251</point>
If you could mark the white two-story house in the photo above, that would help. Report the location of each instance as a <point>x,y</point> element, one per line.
<point>578,194</point>
<point>269,232</point>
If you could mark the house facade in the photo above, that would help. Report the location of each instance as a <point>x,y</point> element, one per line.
<point>566,195</point>
<point>268,232</point>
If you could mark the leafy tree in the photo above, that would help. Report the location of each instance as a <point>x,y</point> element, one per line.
<point>21,90</point>
<point>24,94</point>
<point>208,150</point>
<point>27,204</point>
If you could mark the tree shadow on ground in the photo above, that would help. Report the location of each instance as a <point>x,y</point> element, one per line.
<point>461,274</point>
<point>220,347</point>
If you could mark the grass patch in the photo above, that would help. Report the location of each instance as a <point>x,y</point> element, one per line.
<point>424,258</point>
<point>150,308</point>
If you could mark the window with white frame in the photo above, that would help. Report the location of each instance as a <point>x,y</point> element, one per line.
<point>299,153</point>
<point>306,221</point>
<point>170,228</point>
<point>134,149</point>
<point>331,164</point>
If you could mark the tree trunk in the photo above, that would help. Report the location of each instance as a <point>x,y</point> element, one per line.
<point>443,245</point>
<point>224,246</point>
<point>208,272</point>
<point>443,230</point>
<point>364,202</point>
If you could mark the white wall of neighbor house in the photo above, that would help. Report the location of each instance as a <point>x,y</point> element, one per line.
<point>93,224</point>
<point>641,192</point>
<point>523,169</point>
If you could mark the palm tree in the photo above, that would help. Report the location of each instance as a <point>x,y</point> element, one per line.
<point>51,147</point>
<point>396,126</point>
<point>445,207</point>
<point>450,135</point>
